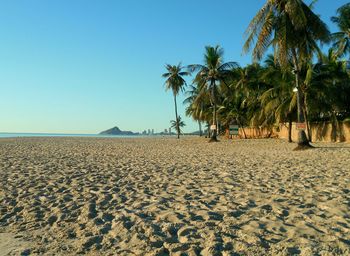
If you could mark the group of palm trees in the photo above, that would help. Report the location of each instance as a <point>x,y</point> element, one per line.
<point>296,83</point>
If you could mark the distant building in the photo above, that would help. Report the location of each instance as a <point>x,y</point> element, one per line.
<point>149,132</point>
<point>144,132</point>
<point>166,131</point>
<point>152,131</point>
<point>170,130</point>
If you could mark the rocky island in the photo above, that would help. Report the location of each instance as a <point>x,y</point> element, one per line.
<point>116,131</point>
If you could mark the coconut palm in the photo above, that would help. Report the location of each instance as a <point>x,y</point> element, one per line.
<point>209,76</point>
<point>293,30</point>
<point>198,105</point>
<point>233,109</point>
<point>250,83</point>
<point>279,101</point>
<point>176,83</point>
<point>329,88</point>
<point>177,124</point>
<point>342,38</point>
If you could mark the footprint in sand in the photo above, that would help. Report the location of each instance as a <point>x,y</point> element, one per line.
<point>187,234</point>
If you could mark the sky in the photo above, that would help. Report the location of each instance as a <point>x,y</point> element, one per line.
<point>83,66</point>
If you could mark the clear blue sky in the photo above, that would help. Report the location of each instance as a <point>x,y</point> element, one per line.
<point>82,66</point>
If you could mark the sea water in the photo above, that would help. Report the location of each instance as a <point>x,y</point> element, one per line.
<point>15,135</point>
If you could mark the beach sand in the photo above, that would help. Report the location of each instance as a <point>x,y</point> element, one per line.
<point>163,196</point>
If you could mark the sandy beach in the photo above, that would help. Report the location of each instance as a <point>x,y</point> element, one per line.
<point>163,196</point>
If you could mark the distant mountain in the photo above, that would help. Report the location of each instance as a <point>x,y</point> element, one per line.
<point>195,133</point>
<point>116,131</point>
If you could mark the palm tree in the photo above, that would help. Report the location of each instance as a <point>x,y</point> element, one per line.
<point>177,124</point>
<point>329,88</point>
<point>233,108</point>
<point>250,83</point>
<point>209,75</point>
<point>197,105</point>
<point>279,101</point>
<point>293,30</point>
<point>176,83</point>
<point>342,38</point>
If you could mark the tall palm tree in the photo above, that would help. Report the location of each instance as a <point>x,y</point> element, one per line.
<point>342,38</point>
<point>177,124</point>
<point>293,30</point>
<point>176,83</point>
<point>209,75</point>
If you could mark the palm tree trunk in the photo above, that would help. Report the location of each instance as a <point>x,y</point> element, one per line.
<point>334,128</point>
<point>217,126</point>
<point>302,139</point>
<point>214,131</point>
<point>303,142</point>
<point>213,137</point>
<point>290,123</point>
<point>306,114</point>
<point>309,135</point>
<point>200,128</point>
<point>176,119</point>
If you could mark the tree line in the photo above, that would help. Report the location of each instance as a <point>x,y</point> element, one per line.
<point>297,83</point>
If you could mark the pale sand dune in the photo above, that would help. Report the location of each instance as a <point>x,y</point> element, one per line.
<point>64,196</point>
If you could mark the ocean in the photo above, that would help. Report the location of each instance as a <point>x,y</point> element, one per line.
<point>15,135</point>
